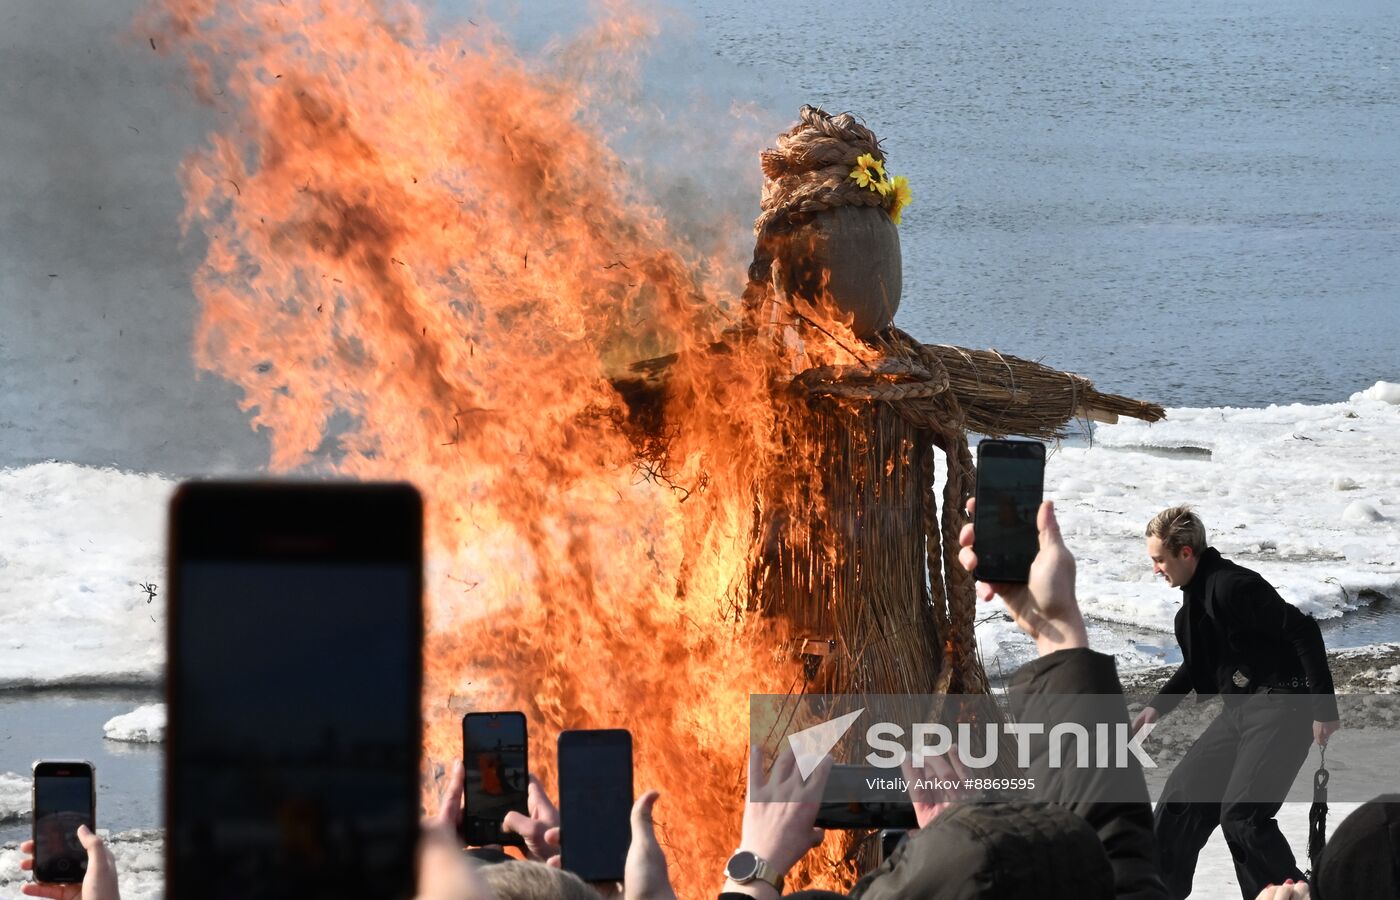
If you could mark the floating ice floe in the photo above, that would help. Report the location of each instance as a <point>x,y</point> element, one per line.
<point>76,546</point>
<point>145,724</point>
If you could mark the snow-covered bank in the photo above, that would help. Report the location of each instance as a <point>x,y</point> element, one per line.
<point>14,797</point>
<point>1308,495</point>
<point>76,546</point>
<point>1283,490</point>
<point>143,725</point>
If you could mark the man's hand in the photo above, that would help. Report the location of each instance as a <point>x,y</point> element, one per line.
<point>780,815</point>
<point>540,829</point>
<point>1323,731</point>
<point>449,814</point>
<point>443,871</point>
<point>99,883</point>
<point>1044,608</point>
<point>645,876</point>
<point>1146,717</point>
<point>929,802</point>
<point>1286,891</point>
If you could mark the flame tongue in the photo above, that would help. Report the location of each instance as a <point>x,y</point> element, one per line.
<point>422,265</point>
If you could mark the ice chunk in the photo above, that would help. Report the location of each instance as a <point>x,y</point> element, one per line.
<point>1343,483</point>
<point>14,797</point>
<point>1361,513</point>
<point>145,724</point>
<point>1384,391</point>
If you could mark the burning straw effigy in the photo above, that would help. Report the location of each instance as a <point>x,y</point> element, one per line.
<point>856,553</point>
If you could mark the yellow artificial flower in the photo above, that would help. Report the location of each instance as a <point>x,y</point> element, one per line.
<point>902,196</point>
<point>870,173</point>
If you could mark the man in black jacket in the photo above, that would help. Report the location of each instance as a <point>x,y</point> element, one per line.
<point>1240,639</point>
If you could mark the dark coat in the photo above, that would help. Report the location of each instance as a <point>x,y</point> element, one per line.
<point>1232,620</point>
<point>1078,845</point>
<point>995,851</point>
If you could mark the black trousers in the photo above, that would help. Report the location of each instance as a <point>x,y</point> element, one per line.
<point>1236,775</point>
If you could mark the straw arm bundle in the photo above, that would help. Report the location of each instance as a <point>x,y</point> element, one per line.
<point>996,394</point>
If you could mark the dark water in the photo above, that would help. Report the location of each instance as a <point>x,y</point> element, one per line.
<point>68,725</point>
<point>1193,202</point>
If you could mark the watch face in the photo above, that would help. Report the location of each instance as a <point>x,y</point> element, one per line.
<point>742,866</point>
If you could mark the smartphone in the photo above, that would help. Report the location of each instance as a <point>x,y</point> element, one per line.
<point>495,754</point>
<point>295,671</point>
<point>1010,486</point>
<point>595,802</point>
<point>884,808</point>
<point>65,796</point>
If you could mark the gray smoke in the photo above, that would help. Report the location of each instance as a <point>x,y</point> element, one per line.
<point>96,308</point>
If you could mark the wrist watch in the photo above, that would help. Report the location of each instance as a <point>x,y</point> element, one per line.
<point>745,867</point>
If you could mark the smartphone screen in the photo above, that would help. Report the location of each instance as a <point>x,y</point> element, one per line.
<point>595,802</point>
<point>64,798</point>
<point>1010,485</point>
<point>295,673</point>
<point>495,756</point>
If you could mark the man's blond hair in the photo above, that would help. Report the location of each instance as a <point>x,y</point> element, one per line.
<point>520,880</point>
<point>1177,527</point>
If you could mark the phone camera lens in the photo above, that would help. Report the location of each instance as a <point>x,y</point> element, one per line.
<point>65,865</point>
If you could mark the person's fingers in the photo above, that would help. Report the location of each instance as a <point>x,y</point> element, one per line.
<point>815,785</point>
<point>532,830</point>
<point>52,891</point>
<point>27,847</point>
<point>967,536</point>
<point>643,826</point>
<point>942,768</point>
<point>985,591</point>
<point>1048,525</point>
<point>784,765</point>
<point>91,842</point>
<point>971,506</point>
<point>551,837</point>
<point>967,558</point>
<point>450,803</point>
<point>556,861</point>
<point>540,806</point>
<point>955,762</point>
<point>26,864</point>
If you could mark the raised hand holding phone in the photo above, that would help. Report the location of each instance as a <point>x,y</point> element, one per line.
<point>1045,607</point>
<point>99,880</point>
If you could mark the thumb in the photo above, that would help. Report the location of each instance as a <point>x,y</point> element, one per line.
<point>1049,526</point>
<point>643,825</point>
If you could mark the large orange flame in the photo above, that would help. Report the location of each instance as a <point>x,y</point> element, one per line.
<point>425,263</point>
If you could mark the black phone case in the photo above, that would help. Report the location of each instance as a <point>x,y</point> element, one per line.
<point>599,736</point>
<point>1035,450</point>
<point>471,835</point>
<point>79,872</point>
